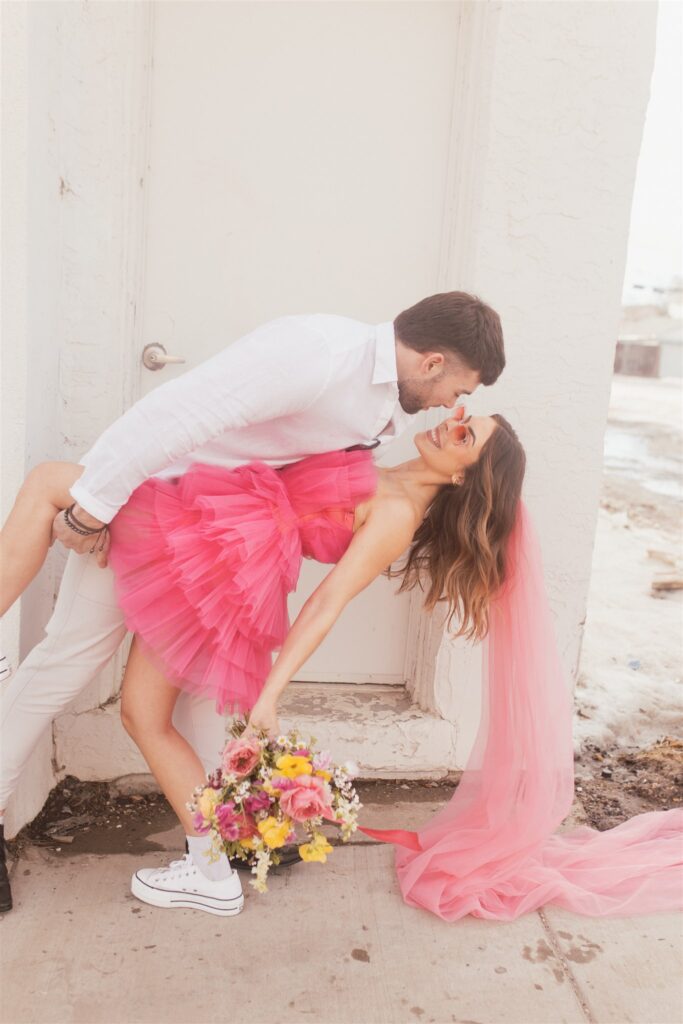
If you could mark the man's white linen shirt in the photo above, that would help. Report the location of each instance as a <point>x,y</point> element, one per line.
<point>293,387</point>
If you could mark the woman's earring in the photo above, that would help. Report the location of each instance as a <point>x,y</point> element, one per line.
<point>456,480</point>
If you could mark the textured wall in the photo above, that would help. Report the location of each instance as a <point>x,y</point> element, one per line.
<point>14,356</point>
<point>547,117</point>
<point>77,106</point>
<point>557,153</point>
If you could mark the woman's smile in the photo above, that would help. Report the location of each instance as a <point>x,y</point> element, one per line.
<point>439,436</point>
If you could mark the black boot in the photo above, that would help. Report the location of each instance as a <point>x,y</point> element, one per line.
<point>5,891</point>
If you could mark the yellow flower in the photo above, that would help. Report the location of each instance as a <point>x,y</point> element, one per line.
<point>274,832</point>
<point>207,801</point>
<point>291,765</point>
<point>323,774</point>
<point>249,843</point>
<point>317,850</point>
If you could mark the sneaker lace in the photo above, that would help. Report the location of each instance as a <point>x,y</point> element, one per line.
<point>183,866</point>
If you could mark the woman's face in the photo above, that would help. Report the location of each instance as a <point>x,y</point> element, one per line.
<point>456,443</point>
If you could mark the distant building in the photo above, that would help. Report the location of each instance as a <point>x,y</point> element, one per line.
<point>650,338</point>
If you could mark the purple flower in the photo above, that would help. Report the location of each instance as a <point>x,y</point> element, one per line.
<point>228,822</point>
<point>199,823</point>
<point>282,783</point>
<point>322,761</point>
<point>258,801</point>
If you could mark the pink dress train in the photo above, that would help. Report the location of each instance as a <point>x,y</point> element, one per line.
<point>493,851</point>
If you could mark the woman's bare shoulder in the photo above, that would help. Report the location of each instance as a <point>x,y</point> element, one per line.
<point>392,507</point>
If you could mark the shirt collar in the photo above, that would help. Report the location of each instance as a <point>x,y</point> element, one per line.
<point>385,371</point>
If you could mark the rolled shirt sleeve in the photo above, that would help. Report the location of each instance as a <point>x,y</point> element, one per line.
<point>277,370</point>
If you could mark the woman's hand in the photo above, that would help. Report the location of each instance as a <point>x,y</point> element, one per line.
<point>263,717</point>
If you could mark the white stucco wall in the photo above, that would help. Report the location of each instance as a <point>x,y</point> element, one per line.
<point>14,351</point>
<point>547,123</point>
<point>563,141</point>
<point>74,98</point>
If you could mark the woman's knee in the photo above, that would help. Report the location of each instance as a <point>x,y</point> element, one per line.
<point>132,717</point>
<point>139,720</point>
<point>49,483</point>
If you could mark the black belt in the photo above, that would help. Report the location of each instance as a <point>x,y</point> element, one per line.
<point>361,447</point>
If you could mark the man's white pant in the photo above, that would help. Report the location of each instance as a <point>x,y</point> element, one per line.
<point>84,632</point>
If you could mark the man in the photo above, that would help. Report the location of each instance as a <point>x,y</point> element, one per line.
<point>293,387</point>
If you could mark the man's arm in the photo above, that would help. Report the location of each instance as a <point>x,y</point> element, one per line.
<point>277,370</point>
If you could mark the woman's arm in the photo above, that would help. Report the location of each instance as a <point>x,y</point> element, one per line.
<point>383,537</point>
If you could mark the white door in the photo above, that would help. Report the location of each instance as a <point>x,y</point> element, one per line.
<point>297,164</point>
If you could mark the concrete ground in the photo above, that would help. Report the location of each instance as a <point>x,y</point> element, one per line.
<point>331,944</point>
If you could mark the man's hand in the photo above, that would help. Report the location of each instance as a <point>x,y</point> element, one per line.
<point>263,717</point>
<point>79,543</point>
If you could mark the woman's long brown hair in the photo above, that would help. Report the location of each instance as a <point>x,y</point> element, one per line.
<point>458,553</point>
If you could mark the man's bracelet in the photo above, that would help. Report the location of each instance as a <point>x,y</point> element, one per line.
<point>77,526</point>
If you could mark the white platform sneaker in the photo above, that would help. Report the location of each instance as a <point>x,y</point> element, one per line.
<point>182,884</point>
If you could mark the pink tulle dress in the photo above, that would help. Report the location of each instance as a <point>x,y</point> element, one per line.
<point>204,563</point>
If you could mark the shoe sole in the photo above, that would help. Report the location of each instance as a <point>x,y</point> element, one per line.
<point>169,899</point>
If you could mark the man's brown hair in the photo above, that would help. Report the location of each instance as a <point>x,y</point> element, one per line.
<point>459,324</point>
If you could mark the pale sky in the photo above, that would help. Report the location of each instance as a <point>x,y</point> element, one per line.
<point>655,243</point>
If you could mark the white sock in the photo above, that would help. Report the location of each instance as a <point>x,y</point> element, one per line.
<point>199,847</point>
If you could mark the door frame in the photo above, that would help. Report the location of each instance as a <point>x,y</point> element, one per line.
<point>474,56</point>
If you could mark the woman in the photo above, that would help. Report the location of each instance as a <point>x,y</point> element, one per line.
<point>203,567</point>
<point>204,564</point>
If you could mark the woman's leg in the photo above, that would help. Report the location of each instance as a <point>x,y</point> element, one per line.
<point>27,534</point>
<point>194,882</point>
<point>147,703</point>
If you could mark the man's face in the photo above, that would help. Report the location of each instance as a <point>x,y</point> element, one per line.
<point>435,381</point>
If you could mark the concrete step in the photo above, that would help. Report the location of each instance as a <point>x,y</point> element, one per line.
<point>378,727</point>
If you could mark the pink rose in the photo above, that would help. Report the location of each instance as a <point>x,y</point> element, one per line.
<point>241,755</point>
<point>309,798</point>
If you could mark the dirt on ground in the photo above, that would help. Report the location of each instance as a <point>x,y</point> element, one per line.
<point>93,817</point>
<point>615,785</point>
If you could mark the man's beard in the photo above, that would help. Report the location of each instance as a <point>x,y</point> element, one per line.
<point>414,395</point>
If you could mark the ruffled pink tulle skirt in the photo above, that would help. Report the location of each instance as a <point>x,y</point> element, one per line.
<point>203,565</point>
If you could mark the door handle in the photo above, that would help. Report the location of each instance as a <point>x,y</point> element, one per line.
<point>154,357</point>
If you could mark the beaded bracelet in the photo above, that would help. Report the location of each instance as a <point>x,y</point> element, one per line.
<point>85,531</point>
<point>77,526</point>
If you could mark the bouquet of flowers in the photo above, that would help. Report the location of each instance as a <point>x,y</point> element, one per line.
<point>270,793</point>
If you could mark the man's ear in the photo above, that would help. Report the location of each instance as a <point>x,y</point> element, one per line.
<point>432,363</point>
